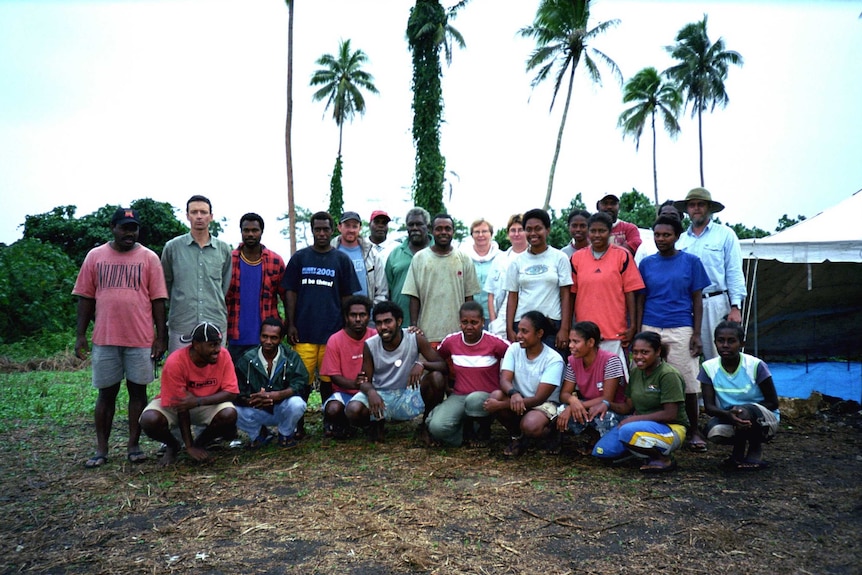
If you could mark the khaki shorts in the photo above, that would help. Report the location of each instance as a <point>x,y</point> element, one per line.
<point>676,339</point>
<point>202,415</point>
<point>549,408</point>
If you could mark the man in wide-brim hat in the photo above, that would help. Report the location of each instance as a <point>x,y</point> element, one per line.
<point>718,249</point>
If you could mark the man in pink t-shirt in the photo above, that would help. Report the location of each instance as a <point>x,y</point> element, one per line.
<point>198,386</point>
<point>342,362</point>
<point>121,286</point>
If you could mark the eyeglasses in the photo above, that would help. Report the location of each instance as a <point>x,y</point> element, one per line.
<point>475,232</point>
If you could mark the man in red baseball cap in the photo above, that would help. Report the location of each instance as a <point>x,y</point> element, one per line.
<point>378,225</point>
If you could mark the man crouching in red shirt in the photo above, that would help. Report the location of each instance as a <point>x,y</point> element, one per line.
<point>198,385</point>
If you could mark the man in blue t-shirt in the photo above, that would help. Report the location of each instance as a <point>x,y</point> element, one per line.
<point>316,282</point>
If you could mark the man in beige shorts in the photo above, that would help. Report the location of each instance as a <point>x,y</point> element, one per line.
<point>198,385</point>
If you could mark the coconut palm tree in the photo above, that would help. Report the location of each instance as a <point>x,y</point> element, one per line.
<point>429,30</point>
<point>701,72</point>
<point>650,95</point>
<point>562,37</point>
<point>341,80</point>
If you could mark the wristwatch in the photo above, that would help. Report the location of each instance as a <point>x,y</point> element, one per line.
<point>512,392</point>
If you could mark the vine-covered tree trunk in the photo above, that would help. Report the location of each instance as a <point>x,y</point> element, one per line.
<point>336,193</point>
<point>425,16</point>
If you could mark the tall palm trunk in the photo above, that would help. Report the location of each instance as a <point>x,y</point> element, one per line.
<point>654,168</point>
<point>700,142</point>
<point>560,137</point>
<point>288,148</point>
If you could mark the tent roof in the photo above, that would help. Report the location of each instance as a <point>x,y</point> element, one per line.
<point>834,235</point>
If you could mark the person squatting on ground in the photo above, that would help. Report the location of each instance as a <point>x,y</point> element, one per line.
<point>198,387</point>
<point>671,306</point>
<point>739,394</point>
<point>395,383</point>
<point>592,396</point>
<point>273,385</point>
<point>474,357</point>
<point>342,362</point>
<point>655,395</point>
<point>530,377</point>
<point>121,286</point>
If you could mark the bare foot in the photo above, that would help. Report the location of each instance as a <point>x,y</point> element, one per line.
<point>169,458</point>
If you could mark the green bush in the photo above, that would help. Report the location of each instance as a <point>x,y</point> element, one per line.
<point>36,281</point>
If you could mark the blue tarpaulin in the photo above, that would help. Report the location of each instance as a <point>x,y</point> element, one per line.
<point>836,378</point>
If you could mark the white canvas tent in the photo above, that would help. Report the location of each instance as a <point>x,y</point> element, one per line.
<point>805,287</point>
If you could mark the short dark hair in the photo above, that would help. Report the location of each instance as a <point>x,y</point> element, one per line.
<point>275,322</point>
<point>601,217</point>
<point>387,306</point>
<point>588,330</point>
<point>539,321</point>
<point>574,213</point>
<point>472,306</point>
<point>537,214</point>
<point>442,217</point>
<point>251,217</point>
<point>669,221</point>
<point>322,216</point>
<point>356,300</point>
<point>735,326</point>
<point>199,198</point>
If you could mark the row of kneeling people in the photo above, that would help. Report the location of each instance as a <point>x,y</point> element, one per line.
<point>462,385</point>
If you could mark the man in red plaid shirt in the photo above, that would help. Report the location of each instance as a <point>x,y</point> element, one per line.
<point>255,287</point>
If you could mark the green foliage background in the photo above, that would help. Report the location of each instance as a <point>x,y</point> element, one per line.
<point>38,272</point>
<point>36,281</point>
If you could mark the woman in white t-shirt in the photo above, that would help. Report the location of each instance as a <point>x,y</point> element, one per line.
<point>529,393</point>
<point>540,279</point>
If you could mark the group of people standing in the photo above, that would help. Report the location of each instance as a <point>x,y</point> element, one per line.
<point>536,338</point>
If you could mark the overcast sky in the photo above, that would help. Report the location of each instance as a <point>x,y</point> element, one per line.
<point>109,101</point>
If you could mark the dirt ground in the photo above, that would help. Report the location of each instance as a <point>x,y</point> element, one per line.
<point>357,508</point>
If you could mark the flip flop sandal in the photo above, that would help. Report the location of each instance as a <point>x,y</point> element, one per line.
<point>96,461</point>
<point>748,465</point>
<point>697,446</point>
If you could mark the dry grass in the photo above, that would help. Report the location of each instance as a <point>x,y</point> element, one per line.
<point>353,507</point>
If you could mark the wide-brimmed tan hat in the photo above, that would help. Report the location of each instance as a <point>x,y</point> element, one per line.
<point>699,194</point>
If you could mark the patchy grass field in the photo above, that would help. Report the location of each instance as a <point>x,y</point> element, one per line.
<point>357,508</point>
